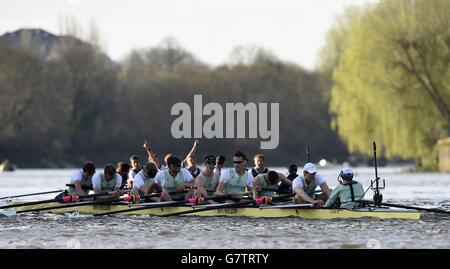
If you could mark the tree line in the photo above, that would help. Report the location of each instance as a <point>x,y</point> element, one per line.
<point>79,105</point>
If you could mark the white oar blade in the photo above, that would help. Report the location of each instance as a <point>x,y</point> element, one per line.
<point>7,212</point>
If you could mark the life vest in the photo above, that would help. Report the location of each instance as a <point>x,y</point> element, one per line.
<point>171,183</point>
<point>210,183</point>
<point>255,172</point>
<point>108,185</point>
<point>236,183</point>
<point>264,185</point>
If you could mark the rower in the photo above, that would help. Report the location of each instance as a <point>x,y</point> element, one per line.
<point>270,181</point>
<point>144,181</point>
<point>206,183</point>
<point>82,179</point>
<point>220,163</point>
<point>107,181</point>
<point>123,169</point>
<point>135,167</point>
<point>245,164</point>
<point>236,180</point>
<point>165,165</point>
<point>259,168</point>
<point>291,175</point>
<point>174,179</point>
<point>347,193</point>
<point>304,186</point>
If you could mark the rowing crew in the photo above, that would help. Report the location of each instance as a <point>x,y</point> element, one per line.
<point>177,183</point>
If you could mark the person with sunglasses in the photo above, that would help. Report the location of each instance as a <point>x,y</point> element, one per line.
<point>305,185</point>
<point>174,179</point>
<point>236,181</point>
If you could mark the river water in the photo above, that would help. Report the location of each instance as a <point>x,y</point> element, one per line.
<point>44,230</point>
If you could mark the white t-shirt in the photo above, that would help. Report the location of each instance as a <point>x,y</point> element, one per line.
<point>76,177</point>
<point>298,183</point>
<point>97,181</point>
<point>160,177</point>
<point>225,177</point>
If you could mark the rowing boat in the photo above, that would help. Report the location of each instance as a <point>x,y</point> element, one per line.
<point>265,211</point>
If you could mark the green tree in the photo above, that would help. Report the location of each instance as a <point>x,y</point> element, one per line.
<point>391,82</point>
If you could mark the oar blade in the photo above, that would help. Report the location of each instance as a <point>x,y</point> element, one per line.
<point>7,212</point>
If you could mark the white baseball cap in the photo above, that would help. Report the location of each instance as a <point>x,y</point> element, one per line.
<point>310,168</point>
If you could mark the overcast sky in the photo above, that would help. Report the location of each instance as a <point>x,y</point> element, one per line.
<point>294,30</point>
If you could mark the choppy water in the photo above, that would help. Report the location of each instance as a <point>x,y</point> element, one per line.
<point>45,230</point>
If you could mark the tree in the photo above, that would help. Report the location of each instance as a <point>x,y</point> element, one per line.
<point>391,83</point>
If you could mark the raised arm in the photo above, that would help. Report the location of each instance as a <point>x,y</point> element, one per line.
<point>151,156</point>
<point>193,150</point>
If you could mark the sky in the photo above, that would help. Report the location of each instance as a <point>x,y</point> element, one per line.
<point>293,30</point>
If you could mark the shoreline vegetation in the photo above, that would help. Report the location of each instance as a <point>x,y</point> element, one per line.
<point>383,77</point>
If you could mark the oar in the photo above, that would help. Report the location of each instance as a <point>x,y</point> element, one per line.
<point>73,185</point>
<point>286,192</point>
<point>160,204</point>
<point>407,207</point>
<point>30,194</point>
<point>96,202</point>
<point>282,196</point>
<point>269,199</point>
<point>64,199</point>
<point>123,187</point>
<point>226,205</point>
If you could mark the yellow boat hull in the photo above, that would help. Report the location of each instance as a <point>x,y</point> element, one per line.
<point>306,213</point>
